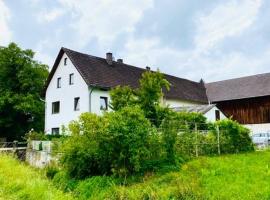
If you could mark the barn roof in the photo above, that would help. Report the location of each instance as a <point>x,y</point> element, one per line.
<point>98,73</point>
<point>239,88</point>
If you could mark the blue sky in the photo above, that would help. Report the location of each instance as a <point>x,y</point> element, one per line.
<point>193,39</point>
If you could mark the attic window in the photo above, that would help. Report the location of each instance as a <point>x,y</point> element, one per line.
<point>59,82</point>
<point>71,79</point>
<point>65,61</point>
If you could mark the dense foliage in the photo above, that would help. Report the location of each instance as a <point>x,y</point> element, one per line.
<point>148,96</point>
<point>141,135</point>
<point>117,143</point>
<point>21,83</point>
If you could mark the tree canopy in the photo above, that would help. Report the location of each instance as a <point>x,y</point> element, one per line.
<point>21,83</point>
<point>148,96</point>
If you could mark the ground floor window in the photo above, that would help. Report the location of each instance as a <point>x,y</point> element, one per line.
<point>55,131</point>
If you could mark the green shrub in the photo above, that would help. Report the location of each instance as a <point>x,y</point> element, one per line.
<point>234,137</point>
<point>178,133</point>
<point>82,155</point>
<point>118,142</point>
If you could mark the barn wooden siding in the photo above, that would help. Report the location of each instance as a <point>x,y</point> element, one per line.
<point>247,111</point>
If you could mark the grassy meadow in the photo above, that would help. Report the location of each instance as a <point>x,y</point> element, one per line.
<point>242,176</point>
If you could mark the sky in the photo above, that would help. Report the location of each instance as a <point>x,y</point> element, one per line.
<point>193,39</point>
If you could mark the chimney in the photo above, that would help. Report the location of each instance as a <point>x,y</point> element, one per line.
<point>120,60</point>
<point>147,68</point>
<point>109,58</point>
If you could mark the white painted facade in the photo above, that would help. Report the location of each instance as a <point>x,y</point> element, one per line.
<point>211,114</point>
<point>65,95</point>
<point>172,103</point>
<point>89,97</point>
<point>258,128</point>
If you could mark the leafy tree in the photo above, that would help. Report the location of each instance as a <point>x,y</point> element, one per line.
<point>148,96</point>
<point>122,96</point>
<point>21,82</point>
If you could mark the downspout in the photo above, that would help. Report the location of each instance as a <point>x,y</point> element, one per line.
<point>90,99</point>
<point>45,117</point>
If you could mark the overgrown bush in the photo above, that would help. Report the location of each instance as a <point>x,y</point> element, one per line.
<point>178,133</point>
<point>234,137</point>
<point>116,143</point>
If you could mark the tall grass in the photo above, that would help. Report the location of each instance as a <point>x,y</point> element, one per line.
<point>232,177</point>
<point>18,181</point>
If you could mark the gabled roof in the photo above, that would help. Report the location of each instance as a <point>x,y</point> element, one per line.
<point>239,88</point>
<point>196,108</point>
<point>98,73</point>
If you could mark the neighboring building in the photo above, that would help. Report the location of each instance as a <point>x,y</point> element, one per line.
<point>246,100</point>
<point>210,111</point>
<point>80,83</point>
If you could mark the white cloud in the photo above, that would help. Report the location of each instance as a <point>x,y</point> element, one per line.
<point>228,19</point>
<point>5,32</point>
<point>49,16</point>
<point>104,20</point>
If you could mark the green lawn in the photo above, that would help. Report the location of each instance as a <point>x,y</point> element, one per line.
<point>243,176</point>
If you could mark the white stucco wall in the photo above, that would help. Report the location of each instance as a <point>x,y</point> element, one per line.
<point>172,103</point>
<point>211,115</point>
<point>65,95</point>
<point>258,128</point>
<point>95,100</point>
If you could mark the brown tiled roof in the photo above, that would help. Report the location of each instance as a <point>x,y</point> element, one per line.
<point>97,72</point>
<point>239,88</point>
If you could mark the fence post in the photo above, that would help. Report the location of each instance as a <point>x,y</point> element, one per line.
<point>196,140</point>
<point>15,144</point>
<point>218,140</point>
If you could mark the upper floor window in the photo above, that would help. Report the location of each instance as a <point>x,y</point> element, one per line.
<point>55,107</point>
<point>59,82</point>
<point>65,61</point>
<point>217,113</point>
<point>77,103</point>
<point>103,103</point>
<point>71,79</point>
<point>55,131</point>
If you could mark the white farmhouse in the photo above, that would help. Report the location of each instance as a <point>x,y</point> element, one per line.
<point>80,83</point>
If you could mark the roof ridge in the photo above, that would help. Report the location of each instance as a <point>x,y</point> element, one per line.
<point>129,65</point>
<point>242,77</point>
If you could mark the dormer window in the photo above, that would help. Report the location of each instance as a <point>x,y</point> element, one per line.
<point>65,61</point>
<point>71,79</point>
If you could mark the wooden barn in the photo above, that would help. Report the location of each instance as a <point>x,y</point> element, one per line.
<point>246,100</point>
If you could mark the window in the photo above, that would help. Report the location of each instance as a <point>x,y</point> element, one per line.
<point>56,107</point>
<point>65,61</point>
<point>77,103</point>
<point>55,131</point>
<point>103,103</point>
<point>71,79</point>
<point>59,82</point>
<point>217,112</point>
